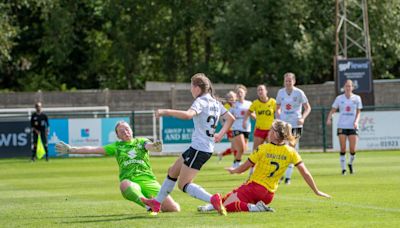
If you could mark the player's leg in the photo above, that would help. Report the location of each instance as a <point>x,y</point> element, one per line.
<point>353,138</point>
<point>193,161</point>
<point>151,188</point>
<point>257,141</point>
<point>210,207</point>
<point>131,191</point>
<point>228,150</point>
<point>166,187</point>
<point>170,182</point>
<point>249,197</point>
<point>240,146</point>
<point>342,142</point>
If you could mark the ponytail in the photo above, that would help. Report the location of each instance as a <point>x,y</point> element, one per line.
<point>288,136</point>
<point>284,131</point>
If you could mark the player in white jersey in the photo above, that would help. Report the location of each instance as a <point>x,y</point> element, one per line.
<point>240,133</point>
<point>205,112</point>
<point>289,104</point>
<point>349,105</point>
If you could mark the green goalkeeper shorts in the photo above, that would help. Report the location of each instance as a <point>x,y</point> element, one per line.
<point>149,186</point>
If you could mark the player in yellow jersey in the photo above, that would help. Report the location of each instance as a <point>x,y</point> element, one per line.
<point>230,100</point>
<point>264,108</point>
<point>271,161</point>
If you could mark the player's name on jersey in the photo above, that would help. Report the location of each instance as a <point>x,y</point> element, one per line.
<point>276,156</point>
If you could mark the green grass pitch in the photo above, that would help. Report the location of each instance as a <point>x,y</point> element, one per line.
<point>84,192</point>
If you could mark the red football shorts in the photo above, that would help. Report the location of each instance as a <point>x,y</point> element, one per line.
<point>261,133</point>
<point>252,193</point>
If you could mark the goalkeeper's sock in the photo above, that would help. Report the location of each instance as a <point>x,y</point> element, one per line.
<point>197,192</point>
<point>166,188</point>
<point>133,193</point>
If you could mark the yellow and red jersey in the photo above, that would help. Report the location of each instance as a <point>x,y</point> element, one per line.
<point>271,162</point>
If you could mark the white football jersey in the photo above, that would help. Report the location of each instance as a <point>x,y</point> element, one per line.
<point>347,109</point>
<point>291,105</point>
<point>208,111</point>
<point>238,111</point>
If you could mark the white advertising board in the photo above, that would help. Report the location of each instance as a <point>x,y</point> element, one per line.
<point>85,132</point>
<point>379,130</point>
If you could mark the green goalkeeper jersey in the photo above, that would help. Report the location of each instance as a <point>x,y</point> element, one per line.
<point>132,157</point>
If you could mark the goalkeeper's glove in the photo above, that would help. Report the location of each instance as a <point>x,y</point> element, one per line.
<point>156,147</point>
<point>63,148</point>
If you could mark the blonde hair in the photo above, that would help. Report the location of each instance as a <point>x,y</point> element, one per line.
<point>202,81</point>
<point>230,94</point>
<point>284,131</point>
<point>349,81</point>
<point>290,74</point>
<point>240,87</point>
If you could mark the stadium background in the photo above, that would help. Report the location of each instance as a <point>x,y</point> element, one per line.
<point>174,95</point>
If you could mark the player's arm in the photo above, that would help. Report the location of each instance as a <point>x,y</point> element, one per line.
<point>63,148</point>
<point>246,116</point>
<point>185,115</point>
<point>330,115</point>
<point>358,114</point>
<point>309,180</point>
<point>229,118</point>
<point>153,146</point>
<point>242,168</point>
<point>278,111</point>
<point>306,112</point>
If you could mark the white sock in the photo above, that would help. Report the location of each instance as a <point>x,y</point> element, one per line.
<point>343,161</point>
<point>235,164</point>
<point>297,147</point>
<point>253,207</point>
<point>352,157</point>
<point>209,207</point>
<point>289,171</point>
<point>198,192</point>
<point>166,188</point>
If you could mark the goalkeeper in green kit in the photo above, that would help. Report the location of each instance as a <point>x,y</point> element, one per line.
<point>135,174</point>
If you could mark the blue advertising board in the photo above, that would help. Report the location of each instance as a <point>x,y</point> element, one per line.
<point>83,132</point>
<point>58,132</point>
<point>108,129</point>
